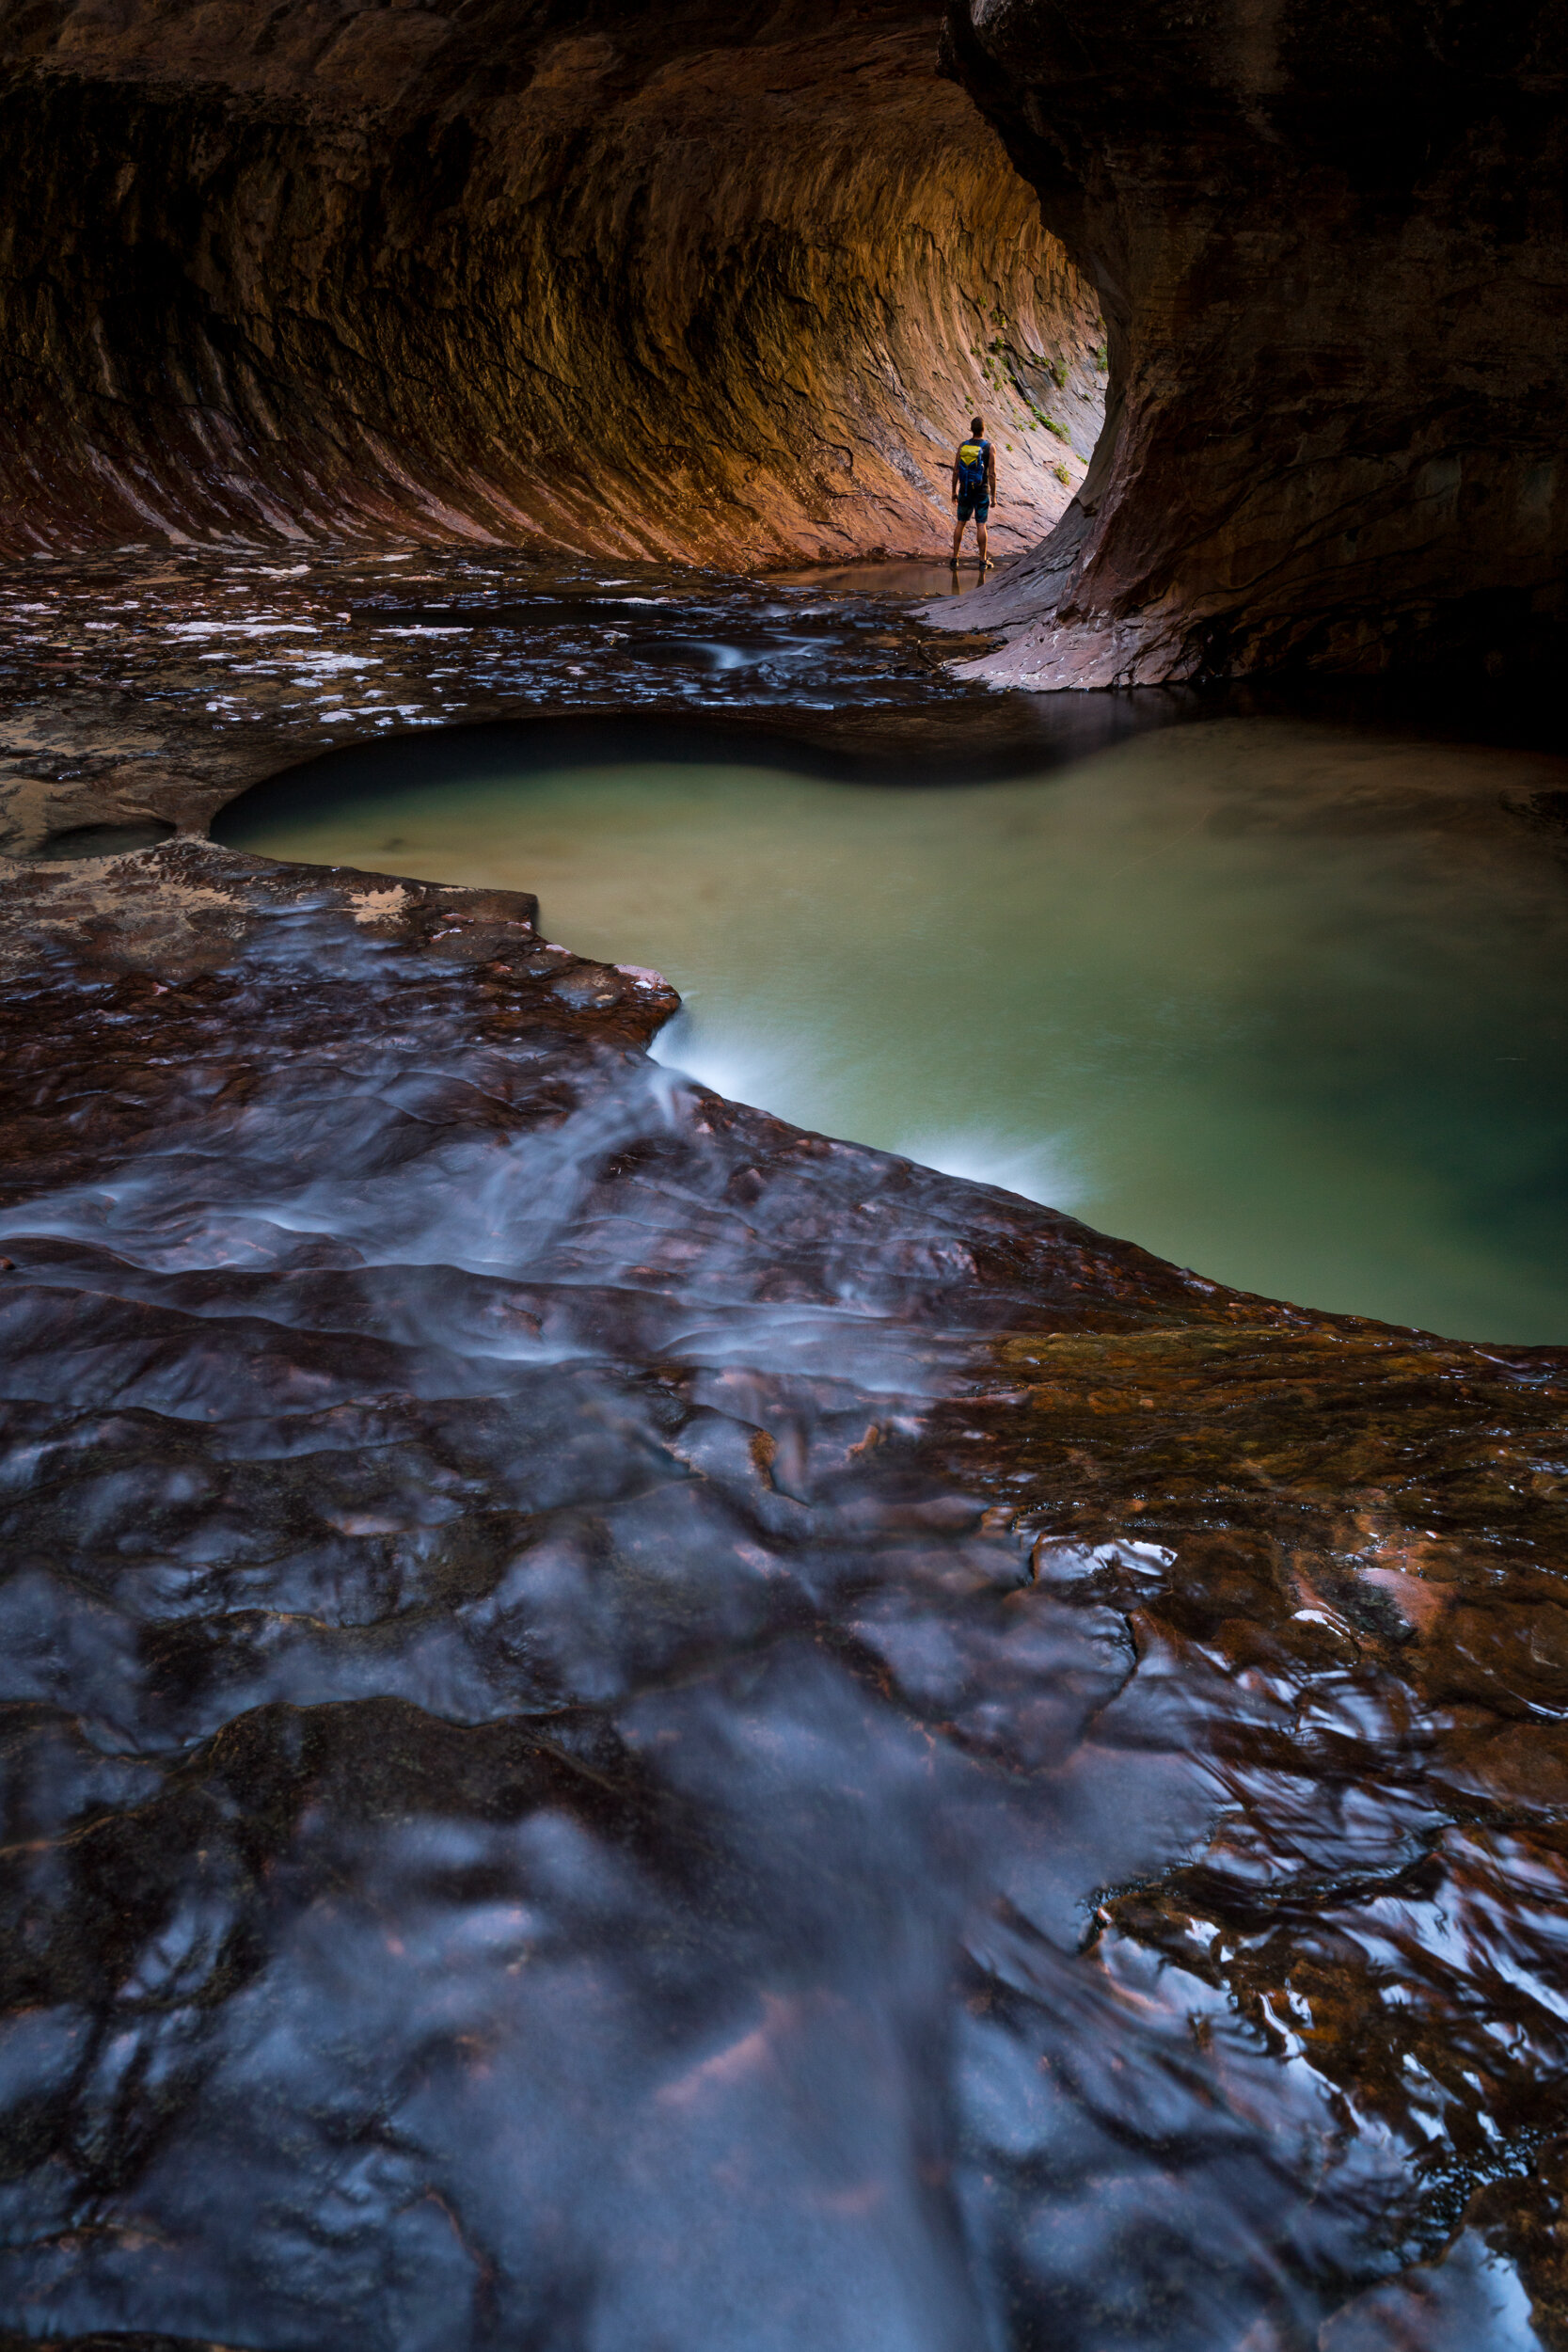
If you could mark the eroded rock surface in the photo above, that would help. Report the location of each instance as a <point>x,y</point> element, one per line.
<point>625,1724</point>
<point>727,286</point>
<point>619,1723</point>
<point>1331,250</point>
<point>679,282</point>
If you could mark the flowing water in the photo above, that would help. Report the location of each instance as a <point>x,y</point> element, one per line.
<point>1284,1002</point>
<point>541,1808</point>
<point>626,1730</point>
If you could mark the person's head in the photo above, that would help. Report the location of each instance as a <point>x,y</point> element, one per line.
<point>976,425</point>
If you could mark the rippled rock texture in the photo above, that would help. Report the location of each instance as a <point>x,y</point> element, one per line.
<point>645,282</point>
<point>140,691</point>
<point>683,281</point>
<point>1330,245</point>
<point>624,1725</point>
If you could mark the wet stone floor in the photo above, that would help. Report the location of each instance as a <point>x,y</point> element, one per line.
<point>627,1727</point>
<point>141,689</point>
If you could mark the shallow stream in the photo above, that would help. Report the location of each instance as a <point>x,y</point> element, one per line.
<point>1280,1000</point>
<point>621,1726</point>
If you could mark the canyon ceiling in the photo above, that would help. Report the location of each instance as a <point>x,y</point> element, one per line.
<point>724,284</point>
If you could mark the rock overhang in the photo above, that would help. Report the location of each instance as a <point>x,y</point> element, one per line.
<point>1329,249</point>
<point>649,286</point>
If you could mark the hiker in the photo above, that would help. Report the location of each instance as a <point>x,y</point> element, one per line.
<point>973,487</point>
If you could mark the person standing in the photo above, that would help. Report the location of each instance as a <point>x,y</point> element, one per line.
<point>973,487</point>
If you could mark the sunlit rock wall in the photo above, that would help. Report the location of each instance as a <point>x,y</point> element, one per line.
<point>1329,242</point>
<point>679,282</point>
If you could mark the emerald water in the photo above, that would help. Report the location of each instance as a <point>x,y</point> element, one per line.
<point>1283,1002</point>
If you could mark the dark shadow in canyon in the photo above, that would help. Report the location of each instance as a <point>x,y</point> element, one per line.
<point>1071,730</point>
<point>1330,245</point>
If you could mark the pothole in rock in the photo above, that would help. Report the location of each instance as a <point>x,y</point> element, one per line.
<point>1280,1000</point>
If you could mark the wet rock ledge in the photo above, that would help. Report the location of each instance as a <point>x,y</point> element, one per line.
<point>616,1716</point>
<point>141,689</point>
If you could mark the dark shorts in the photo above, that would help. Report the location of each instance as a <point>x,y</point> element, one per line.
<point>968,505</point>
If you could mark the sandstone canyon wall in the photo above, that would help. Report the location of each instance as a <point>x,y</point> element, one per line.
<point>1329,240</point>
<point>690,281</point>
<point>724,284</point>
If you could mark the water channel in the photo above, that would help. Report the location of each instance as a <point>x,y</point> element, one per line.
<point>624,1728</point>
<point>1281,1000</point>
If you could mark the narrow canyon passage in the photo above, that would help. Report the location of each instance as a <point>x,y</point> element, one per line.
<point>728,285</point>
<point>637,284</point>
<point>634,1720</point>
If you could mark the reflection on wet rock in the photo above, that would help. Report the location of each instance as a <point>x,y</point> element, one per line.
<point>146,687</point>
<point>626,1725</point>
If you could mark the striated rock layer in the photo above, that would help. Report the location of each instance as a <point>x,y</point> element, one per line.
<point>1331,250</point>
<point>701,283</point>
<point>674,282</point>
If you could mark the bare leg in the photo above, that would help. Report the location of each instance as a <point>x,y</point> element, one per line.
<point>980,536</point>
<point>958,534</point>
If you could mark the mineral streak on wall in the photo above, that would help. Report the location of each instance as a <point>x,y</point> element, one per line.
<point>1328,237</point>
<point>692,282</point>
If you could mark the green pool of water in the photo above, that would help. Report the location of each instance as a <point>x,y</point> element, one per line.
<point>1285,1003</point>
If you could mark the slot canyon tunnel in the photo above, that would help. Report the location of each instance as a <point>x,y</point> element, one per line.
<point>626,1725</point>
<point>636,283</point>
<point>724,285</point>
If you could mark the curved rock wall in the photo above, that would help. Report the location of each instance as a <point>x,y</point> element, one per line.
<point>726,285</point>
<point>691,284</point>
<point>1331,250</point>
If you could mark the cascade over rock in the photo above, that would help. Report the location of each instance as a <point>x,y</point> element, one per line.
<point>622,1724</point>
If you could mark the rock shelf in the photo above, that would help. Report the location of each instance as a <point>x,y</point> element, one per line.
<point>615,1713</point>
